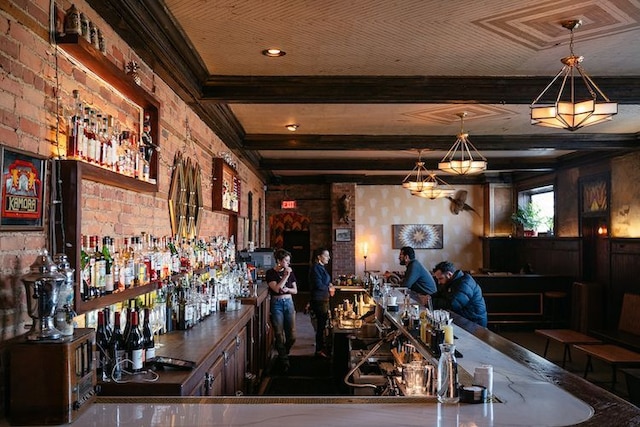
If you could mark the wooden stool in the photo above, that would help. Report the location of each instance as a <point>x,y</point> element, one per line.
<point>554,297</point>
<point>566,337</point>
<point>612,354</point>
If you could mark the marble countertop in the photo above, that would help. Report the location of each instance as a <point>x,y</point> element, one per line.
<point>531,390</point>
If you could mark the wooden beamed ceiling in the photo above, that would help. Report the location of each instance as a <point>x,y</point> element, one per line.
<point>148,28</point>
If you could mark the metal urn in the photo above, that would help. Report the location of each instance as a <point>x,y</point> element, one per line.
<point>42,285</point>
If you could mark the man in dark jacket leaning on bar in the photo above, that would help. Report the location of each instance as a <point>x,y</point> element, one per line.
<point>458,292</point>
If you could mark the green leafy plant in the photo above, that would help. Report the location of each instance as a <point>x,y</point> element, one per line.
<point>529,216</point>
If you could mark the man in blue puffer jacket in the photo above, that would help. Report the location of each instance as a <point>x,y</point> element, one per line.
<point>458,292</point>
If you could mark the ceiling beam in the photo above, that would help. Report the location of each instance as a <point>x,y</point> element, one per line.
<point>564,141</point>
<point>388,90</point>
<point>311,164</point>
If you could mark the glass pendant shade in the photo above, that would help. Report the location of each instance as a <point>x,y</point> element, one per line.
<point>434,188</point>
<point>567,112</point>
<point>417,179</point>
<point>463,158</point>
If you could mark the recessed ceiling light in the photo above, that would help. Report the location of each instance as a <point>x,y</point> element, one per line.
<point>292,127</point>
<point>273,53</point>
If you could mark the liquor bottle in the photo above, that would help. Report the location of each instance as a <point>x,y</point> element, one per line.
<point>85,135</point>
<point>99,267</point>
<point>101,349</point>
<point>175,258</point>
<point>114,144</point>
<point>135,345</point>
<point>116,268</point>
<point>75,128</point>
<point>96,145</point>
<point>105,154</point>
<point>108,266</point>
<point>93,281</point>
<point>84,270</point>
<point>140,268</point>
<point>148,340</point>
<point>128,266</point>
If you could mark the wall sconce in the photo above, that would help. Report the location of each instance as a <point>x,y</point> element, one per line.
<point>602,230</point>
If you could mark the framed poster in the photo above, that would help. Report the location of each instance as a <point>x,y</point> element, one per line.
<point>594,195</point>
<point>418,236</point>
<point>343,234</point>
<point>23,190</point>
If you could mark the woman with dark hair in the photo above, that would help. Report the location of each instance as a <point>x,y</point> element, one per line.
<point>321,291</point>
<point>282,285</point>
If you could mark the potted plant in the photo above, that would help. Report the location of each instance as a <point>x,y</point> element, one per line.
<point>528,217</point>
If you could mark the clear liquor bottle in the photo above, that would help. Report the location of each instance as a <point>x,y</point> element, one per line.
<point>99,267</point>
<point>105,155</point>
<point>75,128</point>
<point>108,266</point>
<point>128,264</point>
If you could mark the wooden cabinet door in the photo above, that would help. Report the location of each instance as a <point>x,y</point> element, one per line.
<point>235,362</point>
<point>213,380</point>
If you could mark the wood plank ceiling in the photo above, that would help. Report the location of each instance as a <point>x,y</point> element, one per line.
<point>372,82</point>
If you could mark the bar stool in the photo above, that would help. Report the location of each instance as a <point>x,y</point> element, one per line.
<point>553,299</point>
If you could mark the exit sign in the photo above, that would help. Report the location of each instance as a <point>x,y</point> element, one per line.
<point>289,204</point>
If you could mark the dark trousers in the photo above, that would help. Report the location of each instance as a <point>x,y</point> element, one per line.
<point>321,310</point>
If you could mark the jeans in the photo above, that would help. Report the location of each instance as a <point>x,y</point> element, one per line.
<point>283,321</point>
<point>321,310</point>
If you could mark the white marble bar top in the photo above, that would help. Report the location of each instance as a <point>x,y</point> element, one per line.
<point>526,400</point>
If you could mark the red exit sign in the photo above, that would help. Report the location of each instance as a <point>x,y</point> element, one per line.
<point>289,204</point>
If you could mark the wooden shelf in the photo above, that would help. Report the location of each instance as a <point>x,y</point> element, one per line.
<point>223,173</point>
<point>84,170</point>
<point>76,46</point>
<point>105,300</point>
<point>83,51</point>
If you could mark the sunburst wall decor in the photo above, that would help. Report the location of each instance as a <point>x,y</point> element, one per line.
<point>418,236</point>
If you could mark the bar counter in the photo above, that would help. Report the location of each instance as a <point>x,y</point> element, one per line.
<point>532,392</point>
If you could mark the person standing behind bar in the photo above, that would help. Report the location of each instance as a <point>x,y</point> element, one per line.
<point>321,291</point>
<point>416,278</point>
<point>460,293</point>
<point>282,285</point>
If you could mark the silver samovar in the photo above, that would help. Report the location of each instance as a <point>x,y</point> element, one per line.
<point>42,285</point>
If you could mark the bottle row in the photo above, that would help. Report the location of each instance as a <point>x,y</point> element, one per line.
<point>125,340</point>
<point>120,350</point>
<point>97,138</point>
<point>109,266</point>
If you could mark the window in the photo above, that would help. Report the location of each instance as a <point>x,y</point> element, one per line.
<point>542,198</point>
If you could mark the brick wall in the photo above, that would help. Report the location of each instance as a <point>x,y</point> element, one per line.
<point>30,79</point>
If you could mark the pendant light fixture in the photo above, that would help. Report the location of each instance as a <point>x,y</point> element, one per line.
<point>416,180</point>
<point>566,112</point>
<point>463,158</point>
<point>434,188</point>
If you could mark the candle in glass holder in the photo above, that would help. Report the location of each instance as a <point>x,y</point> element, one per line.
<point>448,334</point>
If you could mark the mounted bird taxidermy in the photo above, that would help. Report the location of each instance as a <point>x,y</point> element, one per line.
<point>459,203</point>
<point>344,208</point>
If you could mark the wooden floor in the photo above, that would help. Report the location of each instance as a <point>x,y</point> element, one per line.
<point>601,375</point>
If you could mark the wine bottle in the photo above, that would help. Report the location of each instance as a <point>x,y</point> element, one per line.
<point>107,323</point>
<point>116,349</point>
<point>135,345</point>
<point>101,349</point>
<point>147,335</point>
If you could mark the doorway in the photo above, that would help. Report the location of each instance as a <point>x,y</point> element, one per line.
<point>298,243</point>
